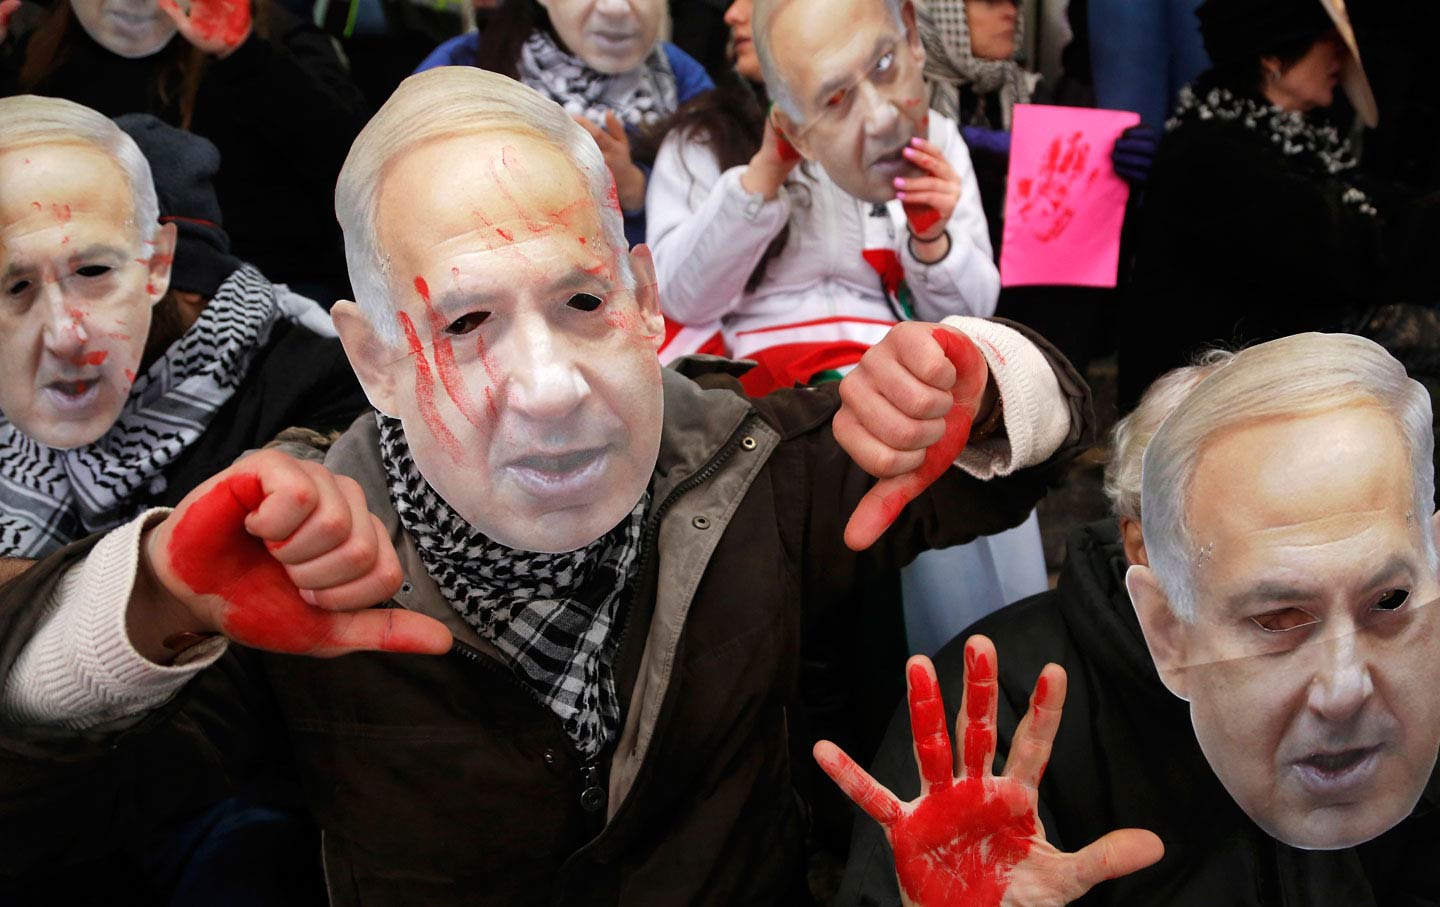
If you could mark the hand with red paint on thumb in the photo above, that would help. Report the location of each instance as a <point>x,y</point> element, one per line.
<point>278,554</point>
<point>905,415</point>
<point>975,839</point>
<point>215,26</point>
<point>771,165</point>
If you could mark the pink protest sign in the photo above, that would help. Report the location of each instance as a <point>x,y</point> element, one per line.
<point>1063,202</point>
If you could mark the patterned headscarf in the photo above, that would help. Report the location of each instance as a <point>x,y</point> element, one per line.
<point>950,65</point>
<point>641,97</point>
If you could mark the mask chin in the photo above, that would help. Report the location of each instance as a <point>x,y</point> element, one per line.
<point>121,43</point>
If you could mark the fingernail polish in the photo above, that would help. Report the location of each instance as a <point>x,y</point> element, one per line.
<point>899,182</point>
<point>900,196</point>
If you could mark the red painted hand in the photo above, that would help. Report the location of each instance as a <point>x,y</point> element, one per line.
<point>7,9</point>
<point>280,554</point>
<point>928,200</point>
<point>976,840</point>
<point>215,26</point>
<point>905,415</point>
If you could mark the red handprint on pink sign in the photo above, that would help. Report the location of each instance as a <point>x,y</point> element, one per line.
<point>1049,199</point>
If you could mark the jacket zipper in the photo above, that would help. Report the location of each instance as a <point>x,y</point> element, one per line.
<point>652,530</point>
<point>592,795</point>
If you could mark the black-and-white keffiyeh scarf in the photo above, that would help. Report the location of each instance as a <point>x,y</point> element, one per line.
<point>951,65</point>
<point>641,97</point>
<point>1313,146</point>
<point>50,497</point>
<point>551,615</point>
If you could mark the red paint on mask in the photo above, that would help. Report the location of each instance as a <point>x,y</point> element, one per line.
<point>444,349</point>
<point>425,393</point>
<point>98,357</point>
<point>879,514</point>
<point>958,846</point>
<point>212,553</point>
<point>582,240</point>
<point>150,288</point>
<point>129,376</point>
<point>921,217</point>
<point>505,235</point>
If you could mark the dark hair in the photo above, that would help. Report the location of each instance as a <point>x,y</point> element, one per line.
<point>509,26</point>
<point>180,65</point>
<point>1247,75</point>
<point>730,121</point>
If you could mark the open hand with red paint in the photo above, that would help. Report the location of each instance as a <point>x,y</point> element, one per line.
<point>277,554</point>
<point>615,146</point>
<point>905,415</point>
<point>975,840</point>
<point>929,200</point>
<point>215,26</point>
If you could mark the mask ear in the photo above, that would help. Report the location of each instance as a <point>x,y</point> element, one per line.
<point>647,293</point>
<point>162,258</point>
<point>370,356</point>
<point>1166,635</point>
<point>791,132</point>
<point>912,30</point>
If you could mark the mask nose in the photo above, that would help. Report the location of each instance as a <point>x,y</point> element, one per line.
<point>1342,681</point>
<point>881,115</point>
<point>65,335</point>
<point>544,381</point>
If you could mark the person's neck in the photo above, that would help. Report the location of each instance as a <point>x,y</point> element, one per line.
<point>1282,99</point>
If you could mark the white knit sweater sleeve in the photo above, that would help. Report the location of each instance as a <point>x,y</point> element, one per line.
<point>1037,416</point>
<point>705,231</point>
<point>965,281</point>
<point>80,670</point>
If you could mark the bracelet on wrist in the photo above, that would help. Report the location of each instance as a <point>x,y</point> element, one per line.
<point>948,243</point>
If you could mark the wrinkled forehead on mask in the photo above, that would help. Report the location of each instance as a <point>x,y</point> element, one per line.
<point>453,103</point>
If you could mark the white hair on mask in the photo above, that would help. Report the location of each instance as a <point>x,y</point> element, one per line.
<point>29,120</point>
<point>1132,434</point>
<point>440,103</point>
<point>760,20</point>
<point>1296,376</point>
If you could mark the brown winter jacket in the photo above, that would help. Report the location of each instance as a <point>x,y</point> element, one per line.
<point>441,780</point>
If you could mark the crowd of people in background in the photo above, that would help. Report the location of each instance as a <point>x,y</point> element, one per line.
<point>809,177</point>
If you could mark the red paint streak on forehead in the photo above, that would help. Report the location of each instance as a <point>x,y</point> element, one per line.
<point>425,392</point>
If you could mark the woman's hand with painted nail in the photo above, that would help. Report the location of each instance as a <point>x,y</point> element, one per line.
<point>975,839</point>
<point>215,26</point>
<point>615,146</point>
<point>929,200</point>
<point>280,554</point>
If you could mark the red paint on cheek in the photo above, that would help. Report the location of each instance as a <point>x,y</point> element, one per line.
<point>96,358</point>
<point>425,392</point>
<point>150,288</point>
<point>959,846</point>
<point>444,348</point>
<point>129,376</point>
<point>582,240</point>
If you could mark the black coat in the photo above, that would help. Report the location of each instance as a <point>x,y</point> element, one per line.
<point>1125,756</point>
<point>281,109</point>
<point>1236,244</point>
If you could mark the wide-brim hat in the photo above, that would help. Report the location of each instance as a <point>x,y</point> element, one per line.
<point>1353,79</point>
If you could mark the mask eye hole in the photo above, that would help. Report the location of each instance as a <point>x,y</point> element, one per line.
<point>1284,620</point>
<point>585,302</point>
<point>1392,600</point>
<point>93,270</point>
<point>18,287</point>
<point>466,323</point>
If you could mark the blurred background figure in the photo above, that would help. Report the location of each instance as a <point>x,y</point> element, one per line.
<point>602,61</point>
<point>266,87</point>
<point>1142,52</point>
<point>1256,221</point>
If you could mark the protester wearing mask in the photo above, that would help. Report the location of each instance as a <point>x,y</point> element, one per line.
<point>602,61</point>
<point>266,88</point>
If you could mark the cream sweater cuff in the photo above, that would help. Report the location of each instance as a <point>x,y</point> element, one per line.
<point>80,670</point>
<point>1037,418</point>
